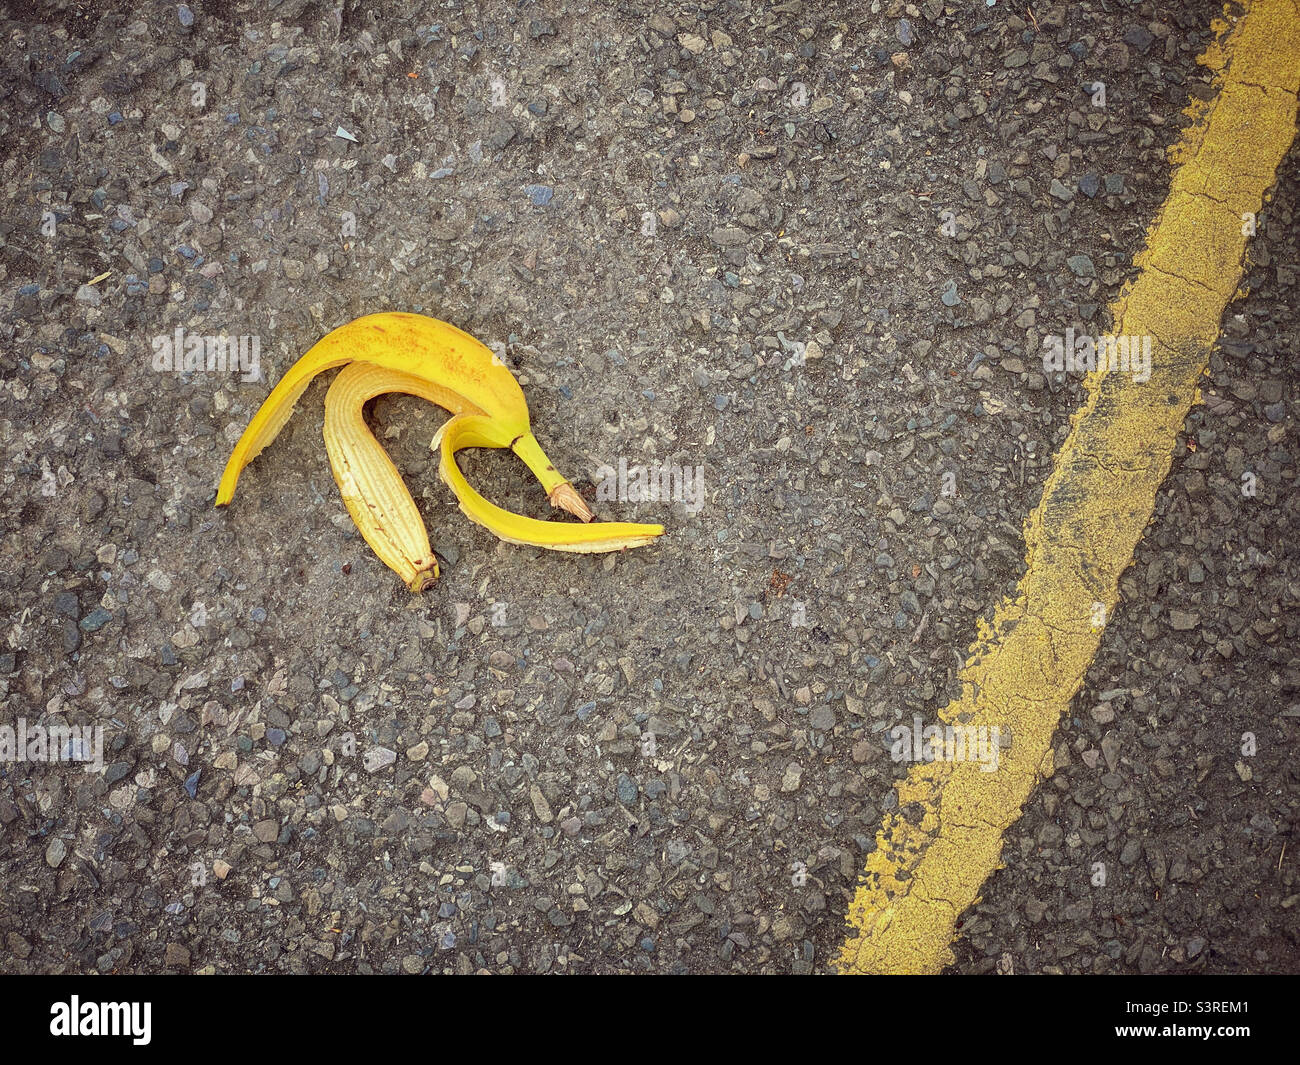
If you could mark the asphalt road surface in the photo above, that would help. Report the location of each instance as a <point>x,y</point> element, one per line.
<point>801,258</point>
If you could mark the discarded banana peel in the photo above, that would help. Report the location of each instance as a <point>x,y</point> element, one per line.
<point>425,357</point>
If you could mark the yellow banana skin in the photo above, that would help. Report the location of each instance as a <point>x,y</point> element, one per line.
<point>369,483</point>
<point>424,347</point>
<point>425,357</point>
<point>466,430</point>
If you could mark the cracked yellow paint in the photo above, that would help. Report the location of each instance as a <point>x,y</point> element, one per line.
<point>935,851</point>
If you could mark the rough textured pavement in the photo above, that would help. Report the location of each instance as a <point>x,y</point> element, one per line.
<point>710,236</point>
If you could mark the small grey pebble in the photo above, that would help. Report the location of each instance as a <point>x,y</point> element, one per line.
<point>626,788</point>
<point>96,620</point>
<point>1081,266</point>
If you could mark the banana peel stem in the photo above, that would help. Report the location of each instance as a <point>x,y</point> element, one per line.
<point>560,492</point>
<point>566,497</point>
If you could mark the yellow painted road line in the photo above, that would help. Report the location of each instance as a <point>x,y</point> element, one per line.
<point>935,851</point>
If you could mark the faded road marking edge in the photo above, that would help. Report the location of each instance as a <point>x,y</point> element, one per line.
<point>934,853</point>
